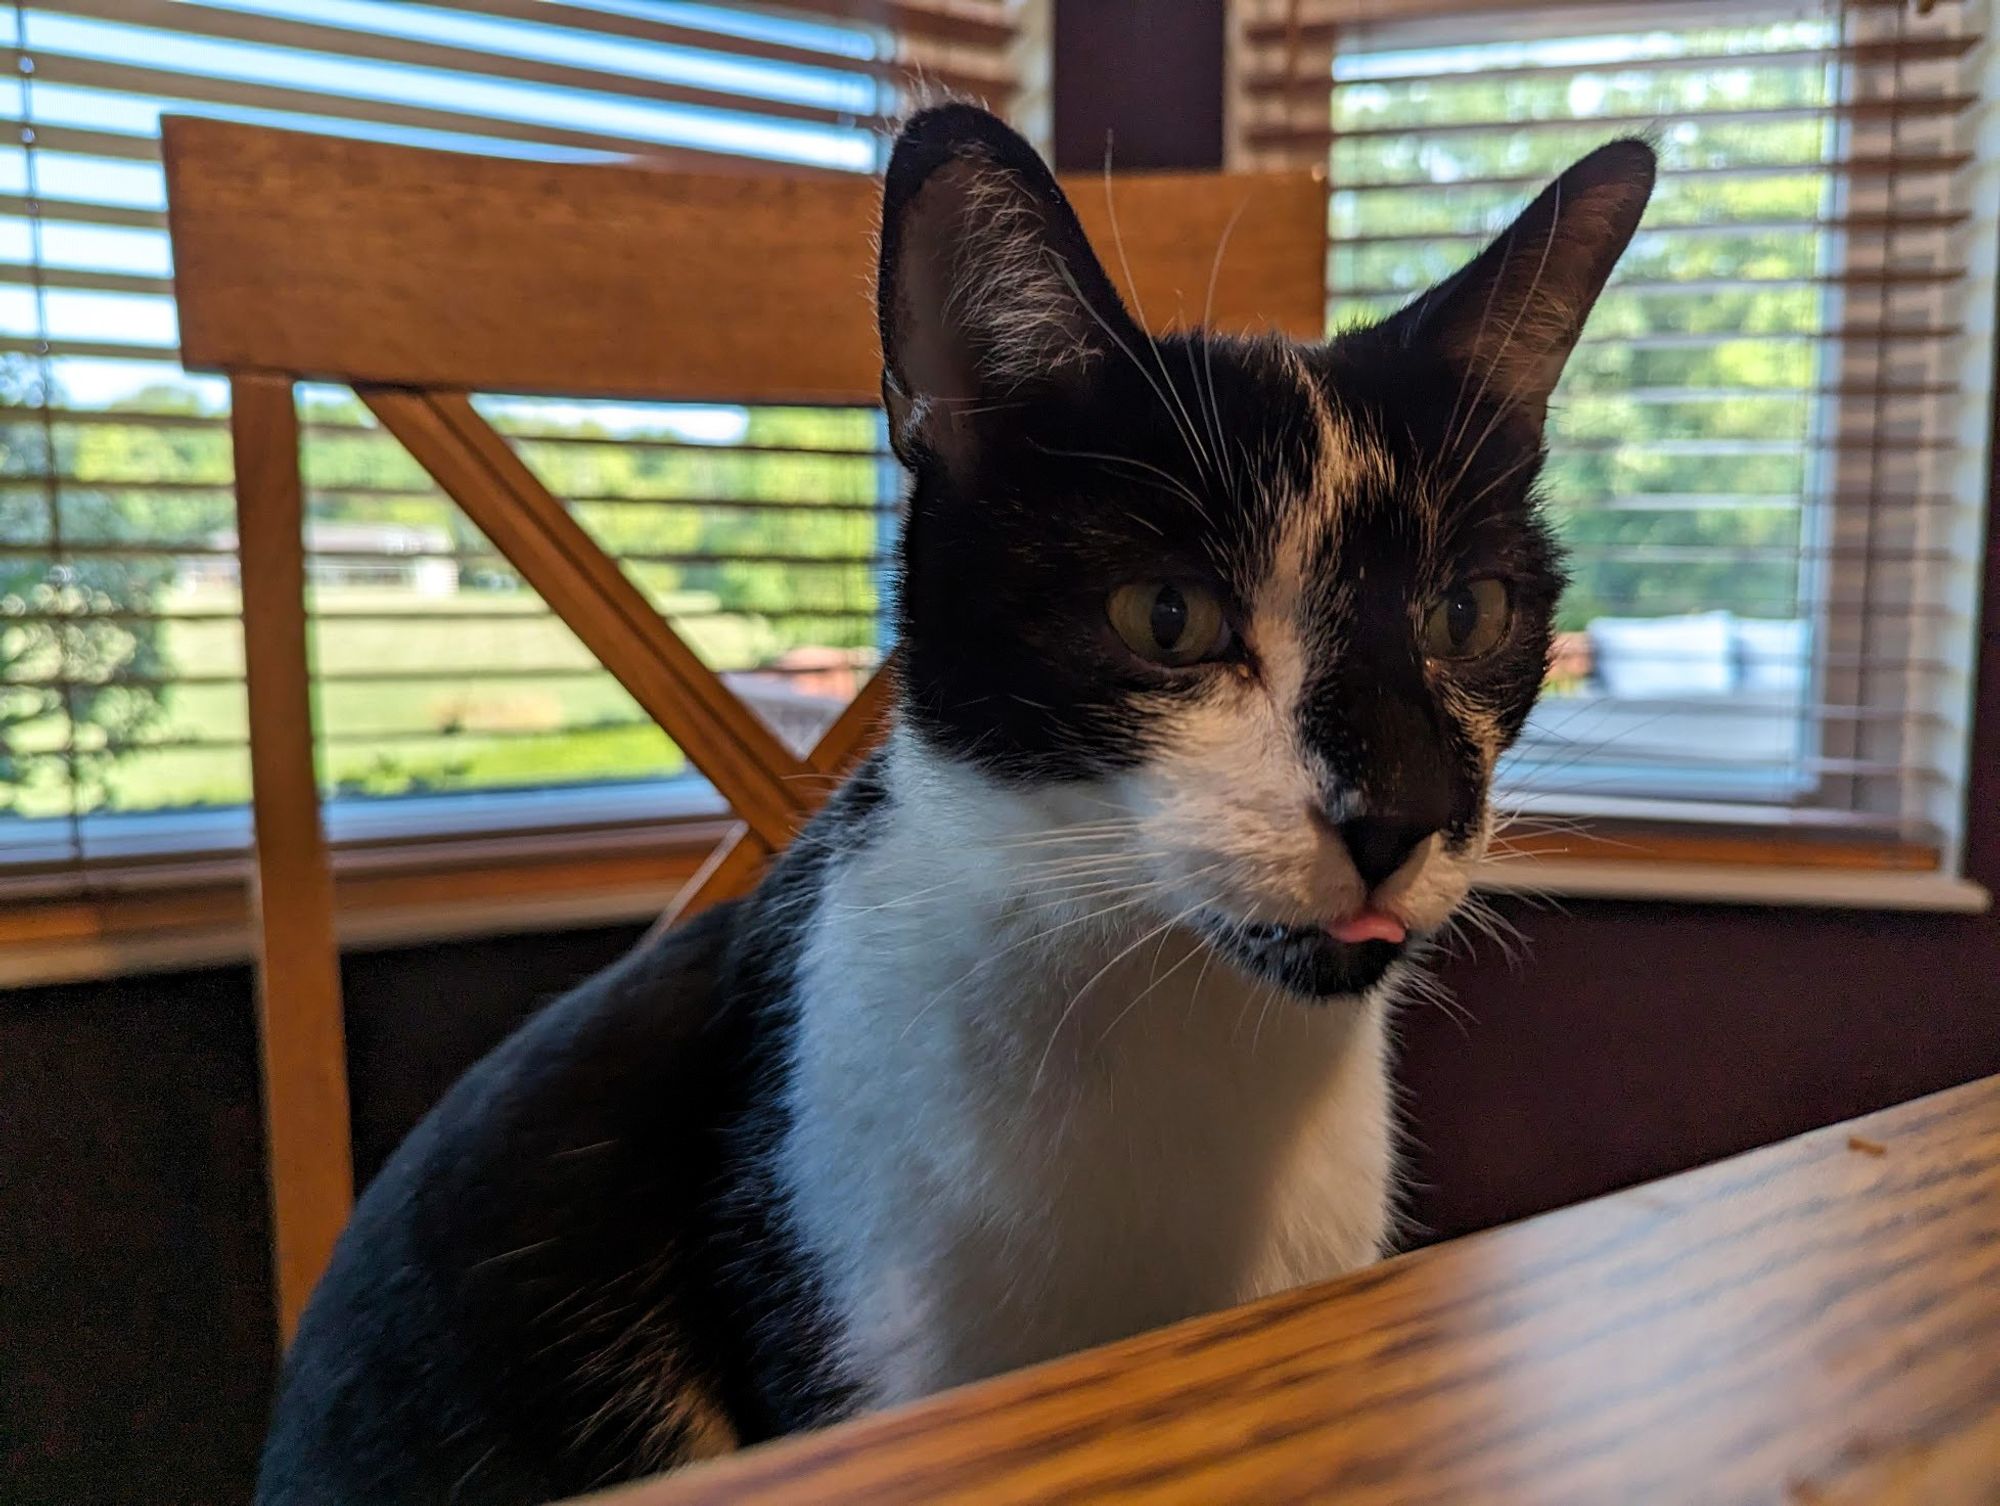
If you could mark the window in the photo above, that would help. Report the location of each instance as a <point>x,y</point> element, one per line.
<point>1767,455</point>
<point>449,700</point>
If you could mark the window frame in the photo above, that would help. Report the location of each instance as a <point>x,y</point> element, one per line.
<point>428,885</point>
<point>1728,851</point>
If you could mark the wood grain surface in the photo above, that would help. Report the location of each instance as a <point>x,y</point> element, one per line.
<point>1815,1322</point>
<point>359,262</point>
<point>301,1026</point>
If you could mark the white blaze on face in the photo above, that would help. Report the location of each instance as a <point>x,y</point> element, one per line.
<point>1223,804</point>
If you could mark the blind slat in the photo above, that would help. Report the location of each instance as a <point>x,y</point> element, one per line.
<point>321,427</point>
<point>660,32</point>
<point>450,618</point>
<point>1903,165</point>
<point>83,141</point>
<point>963,23</point>
<point>1849,335</point>
<point>53,276</point>
<point>82,212</point>
<point>804,506</point>
<point>183,18</point>
<point>1320,22</point>
<point>1275,81</point>
<point>492,673</point>
<point>1709,287</point>
<point>1609,125</point>
<point>1847,224</point>
<point>98,350</point>
<point>84,549</point>
<point>93,73</point>
<point>1753,501</point>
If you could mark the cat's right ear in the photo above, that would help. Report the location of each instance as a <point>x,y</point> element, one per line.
<point>988,291</point>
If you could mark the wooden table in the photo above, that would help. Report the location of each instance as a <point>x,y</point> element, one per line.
<point>1815,1322</point>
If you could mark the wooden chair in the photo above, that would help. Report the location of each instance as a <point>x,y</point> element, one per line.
<point>418,278</point>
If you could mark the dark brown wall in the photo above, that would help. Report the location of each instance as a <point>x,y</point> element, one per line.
<point>135,1327</point>
<point>136,1332</point>
<point>1145,73</point>
<point>1643,1039</point>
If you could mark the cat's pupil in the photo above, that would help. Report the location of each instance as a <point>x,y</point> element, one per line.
<point>1170,616</point>
<point>1461,616</point>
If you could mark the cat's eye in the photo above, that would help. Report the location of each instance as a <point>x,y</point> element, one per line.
<point>1175,623</point>
<point>1469,620</point>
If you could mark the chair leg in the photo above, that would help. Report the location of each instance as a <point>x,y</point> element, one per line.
<point>308,1144</point>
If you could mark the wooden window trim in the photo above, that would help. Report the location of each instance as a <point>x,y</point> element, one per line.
<point>157,917</point>
<point>1647,842</point>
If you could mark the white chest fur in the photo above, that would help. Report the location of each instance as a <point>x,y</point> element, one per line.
<point>1008,1145</point>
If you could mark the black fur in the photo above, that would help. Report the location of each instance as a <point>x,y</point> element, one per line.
<point>578,1268</point>
<point>580,1230</point>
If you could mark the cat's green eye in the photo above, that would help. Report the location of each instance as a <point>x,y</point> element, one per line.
<point>1175,623</point>
<point>1469,620</point>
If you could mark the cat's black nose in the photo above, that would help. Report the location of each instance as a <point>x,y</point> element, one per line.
<point>1379,845</point>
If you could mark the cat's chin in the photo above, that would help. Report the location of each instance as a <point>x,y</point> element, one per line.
<point>1303,960</point>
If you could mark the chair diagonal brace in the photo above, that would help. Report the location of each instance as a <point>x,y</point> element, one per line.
<point>724,739</point>
<point>739,858</point>
<point>768,787</point>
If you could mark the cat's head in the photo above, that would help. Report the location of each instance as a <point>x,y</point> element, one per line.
<point>1259,616</point>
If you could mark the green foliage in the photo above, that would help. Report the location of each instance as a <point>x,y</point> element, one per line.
<point>409,705</point>
<point>77,686</point>
<point>1681,435</point>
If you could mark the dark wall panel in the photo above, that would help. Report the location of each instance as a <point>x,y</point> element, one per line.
<point>1144,73</point>
<point>136,1336</point>
<point>1639,1040</point>
<point>135,1294</point>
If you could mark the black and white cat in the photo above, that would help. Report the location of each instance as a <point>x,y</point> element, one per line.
<point>1066,1017</point>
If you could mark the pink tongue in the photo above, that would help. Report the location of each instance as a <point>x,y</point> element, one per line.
<point>1369,925</point>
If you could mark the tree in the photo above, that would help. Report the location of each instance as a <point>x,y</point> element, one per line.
<point>80,659</point>
<point>1684,425</point>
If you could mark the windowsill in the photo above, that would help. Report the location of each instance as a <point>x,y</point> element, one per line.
<point>615,856</point>
<point>406,870</point>
<point>1713,883</point>
<point>380,900</point>
<point>214,842</point>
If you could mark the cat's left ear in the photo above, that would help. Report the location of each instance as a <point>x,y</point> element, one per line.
<point>1511,316</point>
<point>988,291</point>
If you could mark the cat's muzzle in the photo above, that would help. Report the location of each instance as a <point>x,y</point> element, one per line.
<point>1303,960</point>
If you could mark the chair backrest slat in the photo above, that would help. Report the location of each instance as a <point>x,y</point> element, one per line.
<point>353,261</point>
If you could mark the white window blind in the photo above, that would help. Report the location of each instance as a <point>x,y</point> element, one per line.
<point>1769,454</point>
<point>449,699</point>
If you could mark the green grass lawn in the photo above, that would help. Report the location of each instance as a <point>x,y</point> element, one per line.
<point>507,697</point>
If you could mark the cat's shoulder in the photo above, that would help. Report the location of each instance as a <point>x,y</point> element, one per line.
<point>455,1328</point>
